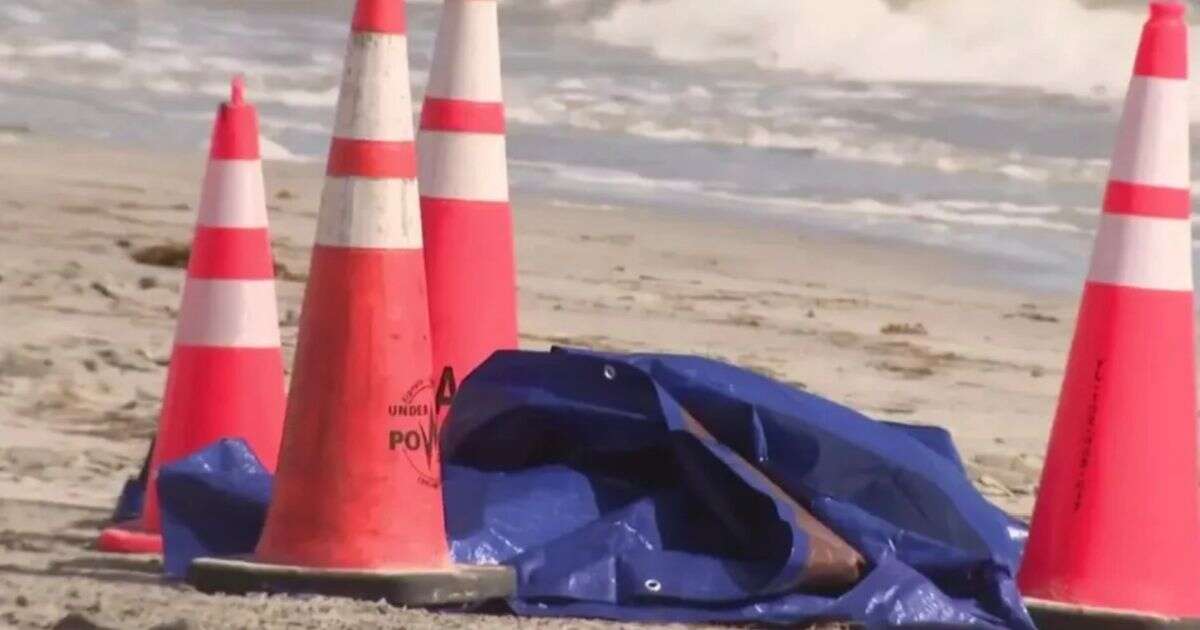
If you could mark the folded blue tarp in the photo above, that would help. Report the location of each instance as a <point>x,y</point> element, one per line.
<point>213,503</point>
<point>652,487</point>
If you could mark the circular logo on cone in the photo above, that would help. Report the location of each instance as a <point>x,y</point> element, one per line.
<point>418,437</point>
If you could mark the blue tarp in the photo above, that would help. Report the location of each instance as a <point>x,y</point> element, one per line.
<point>654,487</point>
<point>213,504</point>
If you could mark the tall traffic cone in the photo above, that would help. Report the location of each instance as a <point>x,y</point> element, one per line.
<point>357,505</point>
<point>1117,521</point>
<point>226,373</point>
<point>465,212</point>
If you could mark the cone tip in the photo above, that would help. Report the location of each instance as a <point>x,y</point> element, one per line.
<point>1163,52</point>
<point>379,16</point>
<point>1166,9</point>
<point>235,133</point>
<point>238,91</point>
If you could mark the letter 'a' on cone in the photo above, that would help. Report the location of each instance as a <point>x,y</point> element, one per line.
<point>357,502</point>
<point>1115,538</point>
<point>226,373</point>
<point>465,212</point>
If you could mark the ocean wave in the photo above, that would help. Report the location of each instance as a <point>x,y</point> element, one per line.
<point>931,213</point>
<point>75,50</point>
<point>1054,45</point>
<point>607,177</point>
<point>944,213</point>
<point>821,136</point>
<point>22,14</point>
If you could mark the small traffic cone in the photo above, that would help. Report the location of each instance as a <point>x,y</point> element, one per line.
<point>357,504</point>
<point>465,212</point>
<point>1116,531</point>
<point>226,373</point>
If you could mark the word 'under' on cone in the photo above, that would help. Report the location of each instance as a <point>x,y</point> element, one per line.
<point>465,213</point>
<point>357,504</point>
<point>1115,539</point>
<point>225,378</point>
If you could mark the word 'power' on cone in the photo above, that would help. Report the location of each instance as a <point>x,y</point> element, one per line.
<point>357,505</point>
<point>1117,521</point>
<point>226,376</point>
<point>465,212</point>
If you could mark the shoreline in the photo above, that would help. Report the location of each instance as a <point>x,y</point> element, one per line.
<point>988,267</point>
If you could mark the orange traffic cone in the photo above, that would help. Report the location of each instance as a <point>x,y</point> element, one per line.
<point>357,505</point>
<point>1117,522</point>
<point>226,373</point>
<point>464,203</point>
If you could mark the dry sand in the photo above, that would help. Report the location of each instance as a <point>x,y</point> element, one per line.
<point>85,330</point>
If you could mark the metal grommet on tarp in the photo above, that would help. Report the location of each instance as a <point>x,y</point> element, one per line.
<point>653,586</point>
<point>610,372</point>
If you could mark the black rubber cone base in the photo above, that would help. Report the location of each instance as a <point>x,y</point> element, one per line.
<point>1057,615</point>
<point>459,584</point>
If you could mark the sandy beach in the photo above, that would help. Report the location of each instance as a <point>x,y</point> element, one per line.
<point>898,332</point>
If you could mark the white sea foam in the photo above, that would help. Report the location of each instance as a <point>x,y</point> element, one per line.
<point>76,50</point>
<point>935,214</point>
<point>609,178</point>
<point>162,63</point>
<point>1056,45</point>
<point>272,150</point>
<point>166,85</point>
<point>787,129</point>
<point>158,43</point>
<point>942,213</point>
<point>525,116</point>
<point>22,14</point>
<point>655,131</point>
<point>571,84</point>
<point>1021,172</point>
<point>301,98</point>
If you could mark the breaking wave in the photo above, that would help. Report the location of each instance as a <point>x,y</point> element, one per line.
<point>1055,45</point>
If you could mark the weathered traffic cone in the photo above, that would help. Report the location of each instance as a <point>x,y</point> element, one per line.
<point>465,210</point>
<point>226,376</point>
<point>1115,538</point>
<point>357,504</point>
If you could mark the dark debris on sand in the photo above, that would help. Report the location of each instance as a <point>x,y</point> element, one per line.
<point>176,255</point>
<point>171,255</point>
<point>904,329</point>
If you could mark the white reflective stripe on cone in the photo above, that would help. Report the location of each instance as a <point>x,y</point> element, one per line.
<point>228,313</point>
<point>370,213</point>
<point>467,53</point>
<point>470,166</point>
<point>233,195</point>
<point>375,101</point>
<point>1152,141</point>
<point>1143,252</point>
